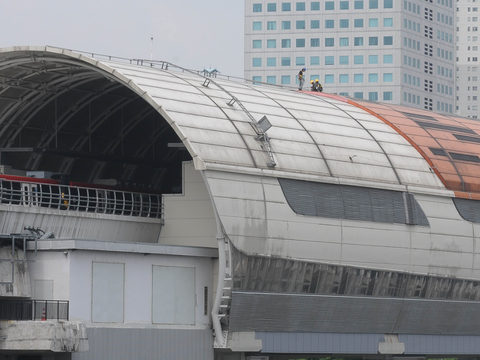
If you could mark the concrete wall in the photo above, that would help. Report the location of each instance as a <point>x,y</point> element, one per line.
<point>189,217</point>
<point>18,283</point>
<point>78,225</point>
<point>138,286</point>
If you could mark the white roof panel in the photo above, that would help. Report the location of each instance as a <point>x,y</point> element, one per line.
<point>305,128</point>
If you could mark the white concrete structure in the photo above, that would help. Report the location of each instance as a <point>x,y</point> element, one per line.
<point>293,224</point>
<point>398,52</point>
<point>467,59</point>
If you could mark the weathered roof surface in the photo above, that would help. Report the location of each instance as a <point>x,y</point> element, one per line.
<point>316,135</point>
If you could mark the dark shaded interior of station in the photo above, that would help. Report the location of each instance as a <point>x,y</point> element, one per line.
<point>66,118</point>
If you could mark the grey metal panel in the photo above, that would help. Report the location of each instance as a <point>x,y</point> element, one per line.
<point>440,344</point>
<point>348,314</point>
<point>146,344</point>
<point>361,344</point>
<point>468,209</point>
<point>352,202</point>
<point>312,313</point>
<point>319,343</point>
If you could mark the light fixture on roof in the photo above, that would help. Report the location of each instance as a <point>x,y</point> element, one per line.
<point>264,124</point>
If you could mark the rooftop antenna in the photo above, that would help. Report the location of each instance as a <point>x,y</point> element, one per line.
<point>151,50</point>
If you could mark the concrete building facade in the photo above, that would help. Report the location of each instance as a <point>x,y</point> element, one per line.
<point>399,52</point>
<point>467,58</point>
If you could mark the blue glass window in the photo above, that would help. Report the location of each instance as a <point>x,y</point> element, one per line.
<point>358,23</point>
<point>286,43</point>
<point>257,44</point>
<point>315,60</point>
<point>257,7</point>
<point>343,60</point>
<point>272,61</point>
<point>329,79</point>
<point>315,24</point>
<point>343,78</point>
<point>373,22</point>
<point>329,24</point>
<point>300,43</point>
<point>388,40</point>
<point>285,80</point>
<point>329,5</point>
<point>373,40</point>
<point>388,4</point>
<point>388,95</point>
<point>358,59</point>
<point>343,5</point>
<point>286,7</point>
<point>300,6</point>
<point>388,22</point>
<point>256,78</point>
<point>373,96</point>
<point>257,62</point>
<point>343,41</point>
<point>373,4</point>
<point>271,79</point>
<point>358,95</point>
<point>271,25</point>
<point>257,25</point>
<point>329,60</point>
<point>271,7</point>
<point>315,42</point>
<point>300,24</point>
<point>373,78</point>
<point>373,59</point>
<point>388,77</point>
<point>300,60</point>
<point>286,25</point>
<point>285,61</point>
<point>344,23</point>
<point>271,43</point>
<point>329,42</point>
<point>358,4</point>
<point>358,41</point>
<point>358,78</point>
<point>388,59</point>
<point>315,5</point>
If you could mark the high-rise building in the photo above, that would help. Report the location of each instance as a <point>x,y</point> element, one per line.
<point>467,55</point>
<point>401,52</point>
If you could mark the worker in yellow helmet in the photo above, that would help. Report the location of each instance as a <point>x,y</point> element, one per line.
<point>318,86</point>
<point>313,86</point>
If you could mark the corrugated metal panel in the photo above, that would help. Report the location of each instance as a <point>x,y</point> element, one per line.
<point>440,344</point>
<point>348,314</point>
<point>352,203</point>
<point>468,209</point>
<point>318,343</point>
<point>362,344</point>
<point>147,344</point>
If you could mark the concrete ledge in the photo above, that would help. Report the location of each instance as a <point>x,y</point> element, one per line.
<point>131,247</point>
<point>56,336</point>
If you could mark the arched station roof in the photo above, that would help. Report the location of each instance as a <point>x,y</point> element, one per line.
<point>65,112</point>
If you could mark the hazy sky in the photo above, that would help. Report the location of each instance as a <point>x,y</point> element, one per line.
<point>191,33</point>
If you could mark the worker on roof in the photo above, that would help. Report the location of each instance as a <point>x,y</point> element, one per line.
<point>313,86</point>
<point>318,86</point>
<point>301,78</point>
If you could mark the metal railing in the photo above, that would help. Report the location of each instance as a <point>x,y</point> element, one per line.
<point>40,310</point>
<point>64,197</point>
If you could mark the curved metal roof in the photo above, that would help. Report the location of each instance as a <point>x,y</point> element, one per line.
<point>113,119</point>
